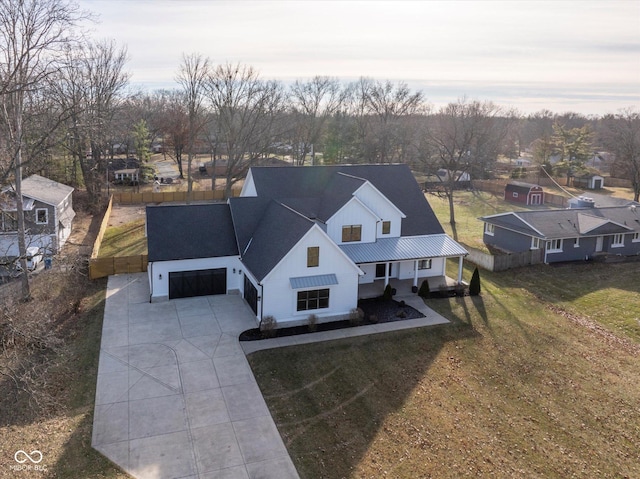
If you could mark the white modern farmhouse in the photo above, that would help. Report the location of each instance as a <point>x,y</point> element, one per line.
<point>301,241</point>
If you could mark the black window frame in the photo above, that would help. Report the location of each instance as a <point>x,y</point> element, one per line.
<point>312,299</point>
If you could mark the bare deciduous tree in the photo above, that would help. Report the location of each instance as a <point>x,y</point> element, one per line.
<point>246,109</point>
<point>192,76</point>
<point>621,134</point>
<point>462,136</point>
<point>313,103</point>
<point>90,89</point>
<point>32,36</point>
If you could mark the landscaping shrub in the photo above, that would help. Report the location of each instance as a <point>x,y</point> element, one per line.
<point>387,295</point>
<point>268,326</point>
<point>356,316</point>
<point>474,285</point>
<point>373,318</point>
<point>424,290</point>
<point>312,322</point>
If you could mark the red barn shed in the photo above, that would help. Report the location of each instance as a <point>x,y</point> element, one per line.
<point>524,193</point>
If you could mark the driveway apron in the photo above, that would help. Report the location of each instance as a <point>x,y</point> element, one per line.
<point>175,396</point>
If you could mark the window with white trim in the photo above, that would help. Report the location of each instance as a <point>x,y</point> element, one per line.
<point>576,242</point>
<point>618,240</point>
<point>635,238</point>
<point>554,246</point>
<point>424,264</point>
<point>515,194</point>
<point>313,299</point>
<point>535,243</point>
<point>386,227</point>
<point>489,229</point>
<point>42,216</point>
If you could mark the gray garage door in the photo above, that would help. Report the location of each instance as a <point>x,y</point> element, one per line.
<point>185,284</point>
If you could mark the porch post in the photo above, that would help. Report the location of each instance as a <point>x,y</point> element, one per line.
<point>460,258</point>
<point>415,273</point>
<point>387,266</point>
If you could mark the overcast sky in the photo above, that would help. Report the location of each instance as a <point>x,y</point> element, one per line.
<point>563,55</point>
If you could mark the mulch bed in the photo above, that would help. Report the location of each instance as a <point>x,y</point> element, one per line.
<point>376,311</point>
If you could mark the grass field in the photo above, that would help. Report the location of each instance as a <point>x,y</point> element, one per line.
<point>515,387</point>
<point>537,377</point>
<point>469,206</point>
<point>124,240</point>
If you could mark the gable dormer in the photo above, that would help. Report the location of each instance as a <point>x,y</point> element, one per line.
<point>389,216</point>
<point>354,222</point>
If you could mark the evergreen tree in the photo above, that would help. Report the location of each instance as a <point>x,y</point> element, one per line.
<point>424,291</point>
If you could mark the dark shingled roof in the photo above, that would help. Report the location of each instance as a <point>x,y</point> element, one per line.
<point>570,223</point>
<point>176,232</point>
<point>396,182</point>
<point>277,232</point>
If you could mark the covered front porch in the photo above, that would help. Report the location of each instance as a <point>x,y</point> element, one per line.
<point>404,287</point>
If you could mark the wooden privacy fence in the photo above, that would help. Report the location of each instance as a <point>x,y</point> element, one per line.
<point>168,196</point>
<point>503,262</point>
<point>102,267</point>
<point>103,227</point>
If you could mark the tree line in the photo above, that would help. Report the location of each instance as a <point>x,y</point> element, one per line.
<point>67,108</point>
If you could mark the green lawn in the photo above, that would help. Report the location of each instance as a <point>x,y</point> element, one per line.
<point>469,206</point>
<point>125,240</point>
<point>537,377</point>
<point>513,388</point>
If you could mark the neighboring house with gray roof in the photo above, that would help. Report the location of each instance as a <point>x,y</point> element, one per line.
<point>48,213</point>
<point>305,239</point>
<point>567,235</point>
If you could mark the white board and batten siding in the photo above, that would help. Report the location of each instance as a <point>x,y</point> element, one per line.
<point>382,208</point>
<point>280,298</point>
<point>353,213</point>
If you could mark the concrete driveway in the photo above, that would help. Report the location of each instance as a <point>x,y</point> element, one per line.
<point>175,396</point>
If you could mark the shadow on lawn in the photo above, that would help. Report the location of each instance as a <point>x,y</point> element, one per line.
<point>329,400</point>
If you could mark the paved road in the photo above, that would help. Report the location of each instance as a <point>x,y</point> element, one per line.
<point>167,169</point>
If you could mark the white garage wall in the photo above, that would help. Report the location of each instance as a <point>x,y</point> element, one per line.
<point>160,285</point>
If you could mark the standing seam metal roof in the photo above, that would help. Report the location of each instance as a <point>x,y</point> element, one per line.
<point>403,248</point>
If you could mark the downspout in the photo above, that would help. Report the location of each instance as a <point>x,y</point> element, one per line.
<point>151,282</point>
<point>261,302</point>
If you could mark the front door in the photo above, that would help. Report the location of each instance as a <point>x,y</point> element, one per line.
<point>381,270</point>
<point>599,244</point>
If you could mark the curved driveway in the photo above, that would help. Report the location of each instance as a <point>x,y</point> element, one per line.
<point>175,396</point>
